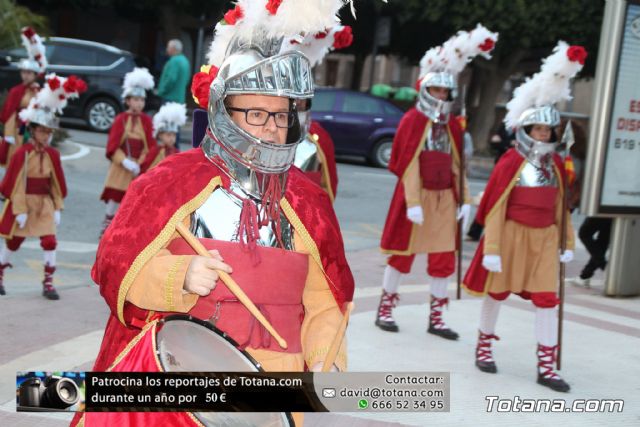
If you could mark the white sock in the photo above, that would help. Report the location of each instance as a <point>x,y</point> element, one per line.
<point>489,315</point>
<point>439,286</point>
<point>112,207</point>
<point>50,258</point>
<point>547,326</point>
<point>391,280</point>
<point>4,253</point>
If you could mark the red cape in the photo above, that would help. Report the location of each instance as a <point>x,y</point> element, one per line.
<point>397,228</point>
<point>328,151</point>
<point>12,103</point>
<point>498,188</point>
<point>117,130</point>
<point>131,241</point>
<point>16,165</point>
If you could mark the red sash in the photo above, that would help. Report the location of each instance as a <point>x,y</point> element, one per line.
<point>135,148</point>
<point>533,206</point>
<point>38,186</point>
<point>435,170</point>
<point>275,286</point>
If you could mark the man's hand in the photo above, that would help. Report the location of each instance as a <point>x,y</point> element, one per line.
<point>131,166</point>
<point>492,263</point>
<point>21,219</point>
<point>415,214</point>
<point>202,276</point>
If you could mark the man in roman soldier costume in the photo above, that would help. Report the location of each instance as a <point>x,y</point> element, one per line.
<point>522,210</point>
<point>19,96</point>
<point>316,153</point>
<point>166,127</point>
<point>266,225</point>
<point>130,139</point>
<point>34,185</point>
<point>426,159</point>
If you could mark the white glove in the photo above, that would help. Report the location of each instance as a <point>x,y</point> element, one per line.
<point>318,367</point>
<point>492,263</point>
<point>415,215</point>
<point>567,256</point>
<point>10,139</point>
<point>22,220</point>
<point>56,217</point>
<point>131,166</point>
<point>464,212</point>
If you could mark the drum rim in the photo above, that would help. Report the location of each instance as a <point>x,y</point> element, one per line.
<point>230,340</point>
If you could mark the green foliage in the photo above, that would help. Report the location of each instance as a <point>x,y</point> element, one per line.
<point>13,18</point>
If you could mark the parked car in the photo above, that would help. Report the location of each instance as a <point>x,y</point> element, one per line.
<point>102,66</point>
<point>359,124</point>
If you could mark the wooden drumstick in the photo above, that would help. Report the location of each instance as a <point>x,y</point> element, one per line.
<point>230,283</point>
<point>337,340</point>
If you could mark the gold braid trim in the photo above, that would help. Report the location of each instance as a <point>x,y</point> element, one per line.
<point>171,278</point>
<point>132,343</point>
<point>160,241</point>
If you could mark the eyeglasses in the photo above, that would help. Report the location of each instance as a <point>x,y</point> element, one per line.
<point>258,117</point>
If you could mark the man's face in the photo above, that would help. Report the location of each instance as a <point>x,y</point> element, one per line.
<point>42,134</point>
<point>135,104</point>
<point>269,131</point>
<point>170,50</point>
<point>27,76</point>
<point>441,93</point>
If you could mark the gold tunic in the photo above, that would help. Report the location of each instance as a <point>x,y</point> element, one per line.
<point>118,177</point>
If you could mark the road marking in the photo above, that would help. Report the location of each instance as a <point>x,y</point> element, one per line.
<point>65,246</point>
<point>83,150</point>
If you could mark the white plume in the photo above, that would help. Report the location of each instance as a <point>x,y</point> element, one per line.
<point>458,51</point>
<point>171,113</point>
<point>139,77</point>
<point>315,49</point>
<point>53,100</point>
<point>35,48</point>
<point>549,86</point>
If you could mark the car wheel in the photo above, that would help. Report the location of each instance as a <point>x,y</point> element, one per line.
<point>381,154</point>
<point>100,114</point>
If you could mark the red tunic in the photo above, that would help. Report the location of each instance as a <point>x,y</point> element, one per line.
<point>14,171</point>
<point>408,140</point>
<point>128,244</point>
<point>499,189</point>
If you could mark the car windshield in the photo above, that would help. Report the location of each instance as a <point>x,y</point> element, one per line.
<point>360,105</point>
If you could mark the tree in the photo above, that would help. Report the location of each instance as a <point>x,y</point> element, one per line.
<point>528,31</point>
<point>13,18</point>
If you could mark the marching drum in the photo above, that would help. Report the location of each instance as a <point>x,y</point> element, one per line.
<point>187,344</point>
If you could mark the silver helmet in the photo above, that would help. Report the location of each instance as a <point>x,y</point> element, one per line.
<point>45,117</point>
<point>436,109</point>
<point>530,148</point>
<point>255,67</point>
<point>28,64</point>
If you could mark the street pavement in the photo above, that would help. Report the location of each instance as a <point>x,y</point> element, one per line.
<point>601,335</point>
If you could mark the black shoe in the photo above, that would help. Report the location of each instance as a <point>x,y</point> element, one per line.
<point>387,325</point>
<point>554,384</point>
<point>50,293</point>
<point>2,292</point>
<point>588,270</point>
<point>444,333</point>
<point>489,367</point>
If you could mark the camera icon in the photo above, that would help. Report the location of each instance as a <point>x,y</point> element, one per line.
<point>329,392</point>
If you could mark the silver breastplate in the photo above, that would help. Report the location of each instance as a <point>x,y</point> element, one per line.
<point>307,158</point>
<point>538,176</point>
<point>219,218</point>
<point>438,139</point>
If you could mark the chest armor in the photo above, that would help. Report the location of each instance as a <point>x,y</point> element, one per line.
<point>438,139</point>
<point>219,218</point>
<point>538,176</point>
<point>307,158</point>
